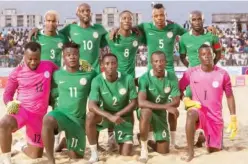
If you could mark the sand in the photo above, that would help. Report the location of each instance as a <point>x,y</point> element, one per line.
<point>234,152</point>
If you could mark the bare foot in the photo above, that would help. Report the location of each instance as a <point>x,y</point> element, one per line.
<point>187,158</point>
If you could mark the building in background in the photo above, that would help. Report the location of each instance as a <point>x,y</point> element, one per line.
<point>109,18</point>
<point>10,18</point>
<point>236,21</point>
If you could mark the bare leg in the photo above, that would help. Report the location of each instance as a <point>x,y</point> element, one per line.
<point>49,126</point>
<point>33,151</point>
<point>144,123</point>
<point>162,147</point>
<point>192,118</point>
<point>8,124</point>
<point>91,121</point>
<point>173,129</point>
<point>126,149</point>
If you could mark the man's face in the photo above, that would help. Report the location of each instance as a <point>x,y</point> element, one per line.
<point>110,65</point>
<point>71,57</point>
<point>158,63</point>
<point>51,23</point>
<point>197,22</point>
<point>126,21</point>
<point>84,13</point>
<point>158,17</point>
<point>32,59</point>
<point>206,56</point>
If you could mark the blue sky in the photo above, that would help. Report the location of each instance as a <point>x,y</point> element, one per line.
<point>177,10</point>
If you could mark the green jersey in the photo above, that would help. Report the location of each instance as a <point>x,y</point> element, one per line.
<point>90,39</point>
<point>161,40</point>
<point>125,48</point>
<point>158,90</point>
<point>51,46</point>
<point>189,45</point>
<point>72,90</point>
<point>114,95</point>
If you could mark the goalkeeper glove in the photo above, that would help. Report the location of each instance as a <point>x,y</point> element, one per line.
<point>13,107</point>
<point>191,104</point>
<point>232,127</point>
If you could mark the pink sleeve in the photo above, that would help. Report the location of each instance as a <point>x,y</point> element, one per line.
<point>11,87</point>
<point>227,86</point>
<point>55,67</point>
<point>184,81</point>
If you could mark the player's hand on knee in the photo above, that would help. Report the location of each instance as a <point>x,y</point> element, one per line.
<point>13,107</point>
<point>113,33</point>
<point>233,127</point>
<point>173,111</point>
<point>191,104</point>
<point>116,119</point>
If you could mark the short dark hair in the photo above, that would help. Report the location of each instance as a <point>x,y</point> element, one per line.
<point>158,53</point>
<point>109,55</point>
<point>33,46</point>
<point>158,6</point>
<point>125,11</point>
<point>204,46</point>
<point>70,45</point>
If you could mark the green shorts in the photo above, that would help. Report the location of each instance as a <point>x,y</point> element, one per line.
<point>159,123</point>
<point>123,132</point>
<point>74,130</point>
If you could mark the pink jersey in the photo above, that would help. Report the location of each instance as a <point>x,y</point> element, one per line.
<point>33,87</point>
<point>208,88</point>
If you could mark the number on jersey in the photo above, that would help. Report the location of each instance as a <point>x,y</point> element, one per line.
<point>114,101</point>
<point>158,99</point>
<point>52,56</point>
<point>88,45</point>
<point>126,52</point>
<point>73,91</point>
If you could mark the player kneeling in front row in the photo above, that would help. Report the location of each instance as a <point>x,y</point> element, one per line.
<point>117,93</point>
<point>32,83</point>
<point>207,83</point>
<point>155,86</point>
<point>71,86</point>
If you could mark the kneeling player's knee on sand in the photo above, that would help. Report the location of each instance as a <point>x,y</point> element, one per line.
<point>146,113</point>
<point>8,122</point>
<point>49,122</point>
<point>212,150</point>
<point>162,147</point>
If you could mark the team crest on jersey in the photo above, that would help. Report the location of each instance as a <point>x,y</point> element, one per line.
<point>83,81</point>
<point>122,91</point>
<point>95,35</point>
<point>215,84</point>
<point>60,45</point>
<point>170,34</point>
<point>47,74</point>
<point>207,43</point>
<point>167,89</point>
<point>135,43</point>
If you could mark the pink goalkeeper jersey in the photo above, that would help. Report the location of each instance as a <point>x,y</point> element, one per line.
<point>208,88</point>
<point>33,87</point>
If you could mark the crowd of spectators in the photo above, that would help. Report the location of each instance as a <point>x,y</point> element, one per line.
<point>234,48</point>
